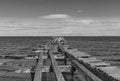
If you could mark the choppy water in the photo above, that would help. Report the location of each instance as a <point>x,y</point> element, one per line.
<point>106,48</point>
<point>11,45</point>
<point>93,45</point>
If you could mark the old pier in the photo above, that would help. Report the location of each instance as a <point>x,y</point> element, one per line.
<point>58,62</point>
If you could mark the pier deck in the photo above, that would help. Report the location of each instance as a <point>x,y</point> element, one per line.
<point>80,66</point>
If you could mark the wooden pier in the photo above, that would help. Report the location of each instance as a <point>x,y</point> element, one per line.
<point>83,67</point>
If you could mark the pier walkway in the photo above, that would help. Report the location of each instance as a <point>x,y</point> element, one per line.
<point>57,62</point>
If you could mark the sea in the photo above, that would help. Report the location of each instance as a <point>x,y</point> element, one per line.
<point>103,47</point>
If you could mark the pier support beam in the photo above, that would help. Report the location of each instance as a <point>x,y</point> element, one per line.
<point>56,69</point>
<point>38,72</point>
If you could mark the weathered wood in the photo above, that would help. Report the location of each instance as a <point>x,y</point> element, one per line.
<point>56,69</point>
<point>61,48</point>
<point>85,70</point>
<point>79,66</point>
<point>38,72</point>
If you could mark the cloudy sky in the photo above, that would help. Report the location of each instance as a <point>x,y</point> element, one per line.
<point>60,17</point>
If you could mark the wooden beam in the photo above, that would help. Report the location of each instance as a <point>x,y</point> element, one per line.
<point>85,70</point>
<point>79,66</point>
<point>56,69</point>
<point>38,72</point>
<point>61,48</point>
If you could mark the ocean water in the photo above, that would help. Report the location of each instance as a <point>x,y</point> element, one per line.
<point>11,45</point>
<point>18,46</point>
<point>93,45</point>
<point>105,48</point>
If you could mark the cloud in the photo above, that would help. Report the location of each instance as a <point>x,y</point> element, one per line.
<point>56,16</point>
<point>69,26</point>
<point>86,21</point>
<point>95,22</point>
<point>79,11</point>
<point>80,21</point>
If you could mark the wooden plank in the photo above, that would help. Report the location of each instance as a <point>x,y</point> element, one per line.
<point>56,69</point>
<point>85,70</point>
<point>79,66</point>
<point>38,73</point>
<point>61,48</point>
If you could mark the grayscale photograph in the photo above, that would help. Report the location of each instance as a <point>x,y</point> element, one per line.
<point>59,40</point>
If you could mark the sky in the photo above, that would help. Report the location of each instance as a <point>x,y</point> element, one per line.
<point>59,17</point>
